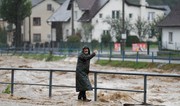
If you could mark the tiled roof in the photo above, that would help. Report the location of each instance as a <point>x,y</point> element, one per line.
<point>173,19</point>
<point>85,4</point>
<point>139,5</point>
<point>62,14</point>
<point>36,2</point>
<point>89,14</point>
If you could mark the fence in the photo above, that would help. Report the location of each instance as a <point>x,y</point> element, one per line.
<point>96,73</point>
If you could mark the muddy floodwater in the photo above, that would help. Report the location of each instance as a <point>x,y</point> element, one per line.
<point>160,90</point>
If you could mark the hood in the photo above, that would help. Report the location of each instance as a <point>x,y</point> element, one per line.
<point>86,47</point>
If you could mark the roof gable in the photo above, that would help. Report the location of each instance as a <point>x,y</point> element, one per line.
<point>139,5</point>
<point>173,19</point>
<point>96,7</point>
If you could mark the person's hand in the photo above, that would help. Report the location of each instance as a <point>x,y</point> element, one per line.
<point>95,51</point>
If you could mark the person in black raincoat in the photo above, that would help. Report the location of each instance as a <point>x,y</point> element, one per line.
<point>82,69</point>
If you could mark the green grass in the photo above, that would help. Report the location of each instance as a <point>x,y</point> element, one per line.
<point>7,90</point>
<point>138,65</point>
<point>46,57</point>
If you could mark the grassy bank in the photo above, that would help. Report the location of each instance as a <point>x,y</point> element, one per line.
<point>139,65</point>
<point>46,57</point>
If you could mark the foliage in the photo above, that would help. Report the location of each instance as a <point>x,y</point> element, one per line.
<point>95,43</point>
<point>131,39</point>
<point>73,39</point>
<point>87,27</point>
<point>15,11</point>
<point>141,27</point>
<point>106,39</point>
<point>7,90</point>
<point>117,26</point>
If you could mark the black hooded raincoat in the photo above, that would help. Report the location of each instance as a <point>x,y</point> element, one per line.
<point>82,70</point>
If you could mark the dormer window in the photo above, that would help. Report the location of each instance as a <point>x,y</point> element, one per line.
<point>49,7</point>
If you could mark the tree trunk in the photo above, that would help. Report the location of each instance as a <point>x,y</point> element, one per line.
<point>18,38</point>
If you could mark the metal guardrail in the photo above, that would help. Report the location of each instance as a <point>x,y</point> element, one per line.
<point>169,57</point>
<point>50,85</point>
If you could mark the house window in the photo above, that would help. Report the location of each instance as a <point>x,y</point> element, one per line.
<point>106,32</point>
<point>130,15</point>
<point>100,15</point>
<point>37,37</point>
<point>49,7</point>
<point>75,15</point>
<point>170,37</point>
<point>67,32</point>
<point>36,21</point>
<point>115,14</point>
<point>151,16</point>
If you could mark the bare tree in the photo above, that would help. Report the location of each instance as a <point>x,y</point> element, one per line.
<point>117,26</point>
<point>155,30</point>
<point>87,28</point>
<point>141,28</point>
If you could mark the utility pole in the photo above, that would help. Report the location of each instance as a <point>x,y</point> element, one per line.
<point>123,36</point>
<point>72,17</point>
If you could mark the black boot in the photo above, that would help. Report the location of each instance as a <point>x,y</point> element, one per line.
<point>80,95</point>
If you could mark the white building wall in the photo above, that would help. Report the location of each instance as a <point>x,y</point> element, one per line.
<point>106,11</point>
<point>66,30</point>
<point>44,29</point>
<point>175,45</point>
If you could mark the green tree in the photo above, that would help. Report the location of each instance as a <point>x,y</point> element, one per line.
<point>106,39</point>
<point>15,11</point>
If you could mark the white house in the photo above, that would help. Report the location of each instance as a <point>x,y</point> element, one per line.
<point>96,11</point>
<point>35,28</point>
<point>171,30</point>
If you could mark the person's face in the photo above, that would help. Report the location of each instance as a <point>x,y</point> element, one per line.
<point>85,51</point>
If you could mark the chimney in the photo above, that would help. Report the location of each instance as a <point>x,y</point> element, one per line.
<point>143,3</point>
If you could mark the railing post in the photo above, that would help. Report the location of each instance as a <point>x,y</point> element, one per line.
<point>152,57</point>
<point>110,54</point>
<point>95,86</point>
<point>50,83</point>
<point>98,55</point>
<point>145,89</point>
<point>169,57</point>
<point>123,55</point>
<point>12,82</point>
<point>137,57</point>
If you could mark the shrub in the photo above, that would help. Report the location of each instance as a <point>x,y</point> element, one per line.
<point>131,39</point>
<point>105,39</point>
<point>95,43</point>
<point>73,39</point>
